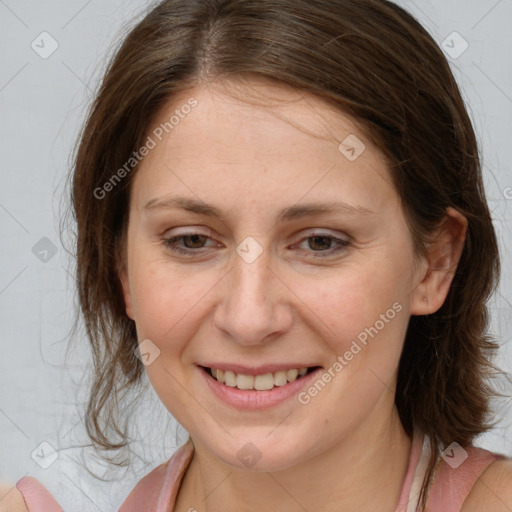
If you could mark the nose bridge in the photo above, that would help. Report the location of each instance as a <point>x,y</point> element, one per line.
<point>251,277</point>
<point>250,308</point>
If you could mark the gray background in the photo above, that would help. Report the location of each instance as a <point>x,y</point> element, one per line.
<point>43,102</point>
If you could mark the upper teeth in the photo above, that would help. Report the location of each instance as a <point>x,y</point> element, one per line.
<point>258,382</point>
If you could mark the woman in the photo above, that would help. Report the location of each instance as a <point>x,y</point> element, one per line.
<point>351,376</point>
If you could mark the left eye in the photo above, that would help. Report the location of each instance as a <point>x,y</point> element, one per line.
<point>322,240</point>
<point>194,241</point>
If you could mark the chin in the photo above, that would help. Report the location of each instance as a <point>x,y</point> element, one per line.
<point>261,452</point>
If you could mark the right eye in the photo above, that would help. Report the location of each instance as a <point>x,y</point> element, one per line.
<point>192,241</point>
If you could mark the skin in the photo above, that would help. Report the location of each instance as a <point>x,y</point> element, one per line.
<point>493,490</point>
<point>327,454</point>
<point>290,304</point>
<point>11,499</point>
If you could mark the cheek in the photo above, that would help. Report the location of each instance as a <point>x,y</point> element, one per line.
<point>168,302</point>
<point>361,313</point>
<point>167,299</point>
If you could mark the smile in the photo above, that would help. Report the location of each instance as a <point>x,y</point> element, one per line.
<point>262,382</point>
<point>261,390</point>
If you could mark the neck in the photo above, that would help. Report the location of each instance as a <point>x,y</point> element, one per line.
<point>363,471</point>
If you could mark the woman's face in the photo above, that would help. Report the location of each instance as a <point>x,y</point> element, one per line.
<point>266,282</point>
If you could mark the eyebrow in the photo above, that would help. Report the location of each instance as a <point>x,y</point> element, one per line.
<point>286,214</point>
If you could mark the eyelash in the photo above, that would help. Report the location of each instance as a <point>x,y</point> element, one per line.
<point>170,244</point>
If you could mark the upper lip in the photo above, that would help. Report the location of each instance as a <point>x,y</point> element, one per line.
<point>257,370</point>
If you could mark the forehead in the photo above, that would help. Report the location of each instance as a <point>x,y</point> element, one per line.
<point>250,108</point>
<point>259,142</point>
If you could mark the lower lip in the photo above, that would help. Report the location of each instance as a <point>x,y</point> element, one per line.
<point>251,399</point>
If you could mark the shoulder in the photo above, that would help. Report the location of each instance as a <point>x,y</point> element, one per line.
<point>493,489</point>
<point>160,484</point>
<point>30,494</point>
<point>11,500</point>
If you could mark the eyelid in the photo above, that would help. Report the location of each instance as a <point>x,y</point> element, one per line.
<point>339,241</point>
<point>304,234</point>
<point>189,231</point>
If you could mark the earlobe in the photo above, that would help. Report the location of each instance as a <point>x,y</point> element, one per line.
<point>441,263</point>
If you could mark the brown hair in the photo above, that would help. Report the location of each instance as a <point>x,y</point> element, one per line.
<point>371,60</point>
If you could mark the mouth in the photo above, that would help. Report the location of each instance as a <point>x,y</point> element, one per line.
<point>261,382</point>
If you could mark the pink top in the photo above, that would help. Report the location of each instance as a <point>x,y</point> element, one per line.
<point>157,491</point>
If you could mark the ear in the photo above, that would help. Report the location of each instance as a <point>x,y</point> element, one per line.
<point>122,273</point>
<point>440,264</point>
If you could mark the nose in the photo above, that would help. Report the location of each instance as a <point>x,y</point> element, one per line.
<point>255,305</point>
